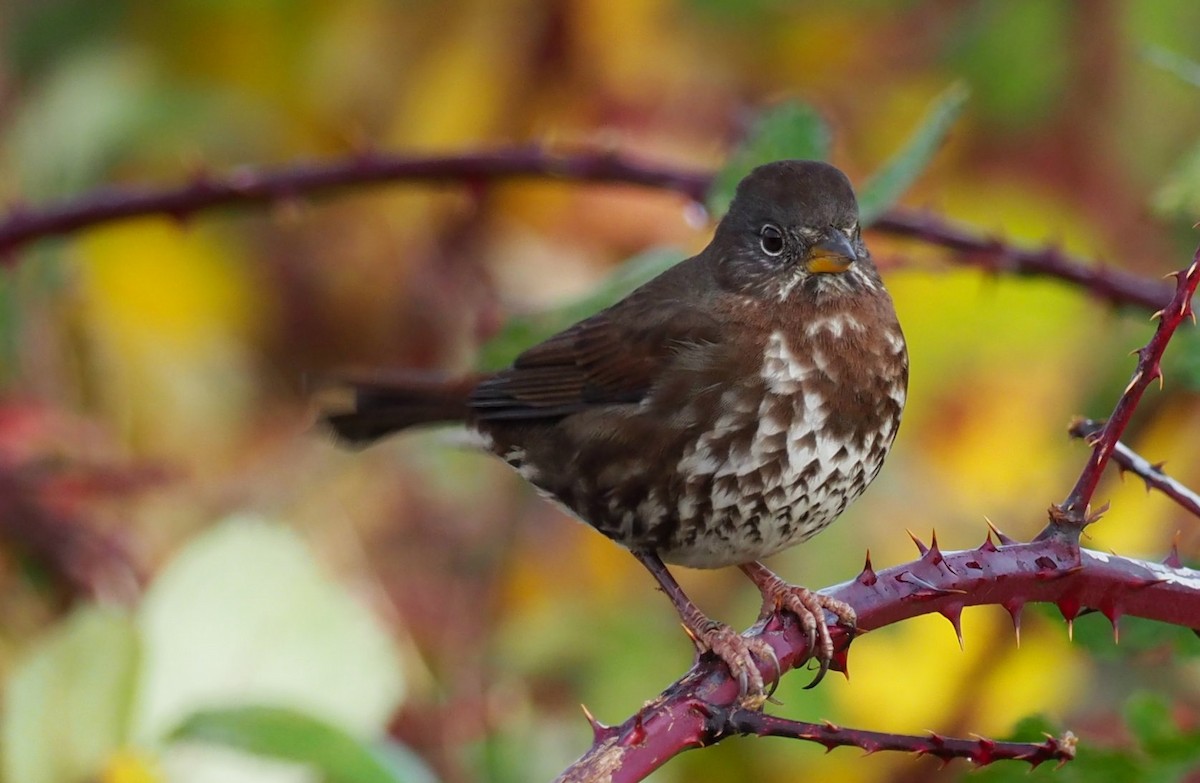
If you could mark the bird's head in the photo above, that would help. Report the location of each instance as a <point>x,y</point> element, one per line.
<point>793,226</point>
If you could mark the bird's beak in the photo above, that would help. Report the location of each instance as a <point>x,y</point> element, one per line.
<point>831,255</point>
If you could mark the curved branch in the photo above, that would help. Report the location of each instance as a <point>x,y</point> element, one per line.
<point>1054,571</point>
<point>253,186</point>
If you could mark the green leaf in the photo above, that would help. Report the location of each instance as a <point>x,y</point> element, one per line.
<point>1179,195</point>
<point>244,615</point>
<point>66,707</point>
<point>885,187</point>
<point>1091,764</point>
<point>1016,57</point>
<point>790,130</point>
<point>522,331</point>
<point>1185,68</point>
<point>1093,632</point>
<point>1149,717</point>
<point>1162,753</point>
<point>1184,357</point>
<point>289,735</point>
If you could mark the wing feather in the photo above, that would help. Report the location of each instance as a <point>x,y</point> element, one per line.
<point>612,358</point>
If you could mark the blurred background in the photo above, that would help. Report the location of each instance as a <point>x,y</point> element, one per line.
<point>154,370</point>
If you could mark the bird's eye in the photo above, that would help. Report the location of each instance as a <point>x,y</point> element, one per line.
<point>771,239</point>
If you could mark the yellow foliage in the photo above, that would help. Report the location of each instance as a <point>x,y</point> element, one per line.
<point>131,766</point>
<point>167,311</point>
<point>912,676</point>
<point>1138,522</point>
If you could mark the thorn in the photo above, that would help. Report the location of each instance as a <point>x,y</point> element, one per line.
<point>600,732</point>
<point>1172,560</point>
<point>1015,607</point>
<point>953,613</point>
<point>920,546</point>
<point>987,545</point>
<point>1003,539</point>
<point>1137,377</point>
<point>1113,612</point>
<point>840,662</point>
<point>1091,518</point>
<point>1157,314</point>
<point>693,637</point>
<point>933,555</point>
<point>928,590</point>
<point>987,750</point>
<point>1069,606</point>
<point>867,577</point>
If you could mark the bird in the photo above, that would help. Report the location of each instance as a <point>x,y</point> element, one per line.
<point>726,410</point>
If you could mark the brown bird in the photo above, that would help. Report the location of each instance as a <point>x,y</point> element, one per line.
<point>726,410</point>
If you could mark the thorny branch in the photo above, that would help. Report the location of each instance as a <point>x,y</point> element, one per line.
<point>693,712</point>
<point>979,751</point>
<point>1075,513</point>
<point>255,186</point>
<point>1130,460</point>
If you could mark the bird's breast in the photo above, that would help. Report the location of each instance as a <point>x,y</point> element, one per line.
<point>789,450</point>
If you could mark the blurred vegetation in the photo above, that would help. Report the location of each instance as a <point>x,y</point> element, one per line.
<point>418,603</point>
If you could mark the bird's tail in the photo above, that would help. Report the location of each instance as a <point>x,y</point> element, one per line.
<point>364,409</point>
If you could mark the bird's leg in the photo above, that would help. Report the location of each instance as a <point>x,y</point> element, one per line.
<point>709,635</point>
<point>808,606</point>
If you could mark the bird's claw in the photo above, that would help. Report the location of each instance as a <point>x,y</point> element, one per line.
<point>738,653</point>
<point>809,608</point>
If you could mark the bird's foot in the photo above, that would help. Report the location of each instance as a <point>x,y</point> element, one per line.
<point>738,652</point>
<point>809,608</point>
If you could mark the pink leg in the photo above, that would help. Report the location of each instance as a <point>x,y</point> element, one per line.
<point>809,608</point>
<point>735,650</point>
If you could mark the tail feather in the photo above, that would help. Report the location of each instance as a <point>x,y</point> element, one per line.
<point>382,405</point>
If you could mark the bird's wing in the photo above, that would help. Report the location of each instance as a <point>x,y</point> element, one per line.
<point>611,358</point>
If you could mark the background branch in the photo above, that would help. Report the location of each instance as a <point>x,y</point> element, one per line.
<point>1130,460</point>
<point>995,255</point>
<point>255,186</point>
